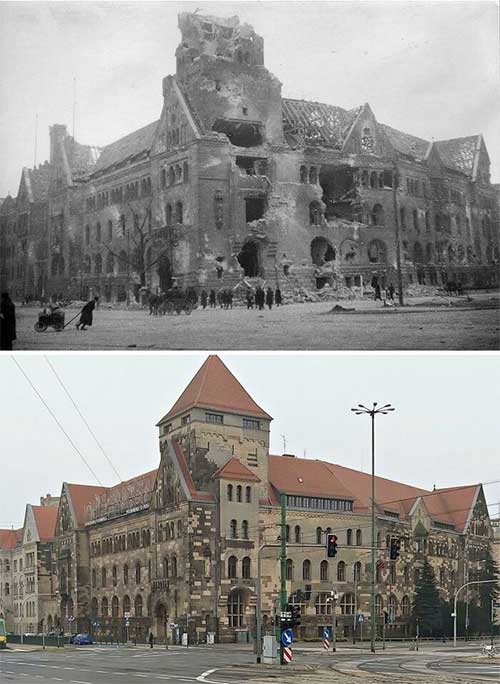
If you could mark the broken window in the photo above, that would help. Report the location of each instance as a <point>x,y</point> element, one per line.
<point>240,133</point>
<point>185,172</point>
<point>168,214</point>
<point>255,208</point>
<point>367,141</point>
<point>313,175</point>
<point>418,253</point>
<point>314,213</point>
<point>364,179</point>
<point>387,179</point>
<point>402,218</point>
<point>322,251</point>
<point>249,259</point>
<point>373,179</point>
<point>378,218</point>
<point>179,214</point>
<point>415,221</point>
<point>303,174</point>
<point>377,252</point>
<point>252,166</point>
<point>339,193</point>
<point>219,209</point>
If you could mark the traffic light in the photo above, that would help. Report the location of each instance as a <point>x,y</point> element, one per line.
<point>331,545</point>
<point>296,615</point>
<point>395,548</point>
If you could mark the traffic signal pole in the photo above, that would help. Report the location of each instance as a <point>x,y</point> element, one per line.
<point>372,616</point>
<point>283,597</point>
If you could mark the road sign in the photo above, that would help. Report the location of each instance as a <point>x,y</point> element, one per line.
<point>286,637</point>
<point>126,615</point>
<point>285,614</point>
<point>287,655</point>
<point>127,623</point>
<point>326,638</point>
<point>71,619</point>
<point>360,617</point>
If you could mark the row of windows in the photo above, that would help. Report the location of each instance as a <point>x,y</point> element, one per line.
<point>232,567</point>
<point>102,575</point>
<point>319,504</point>
<point>233,529</point>
<point>121,542</point>
<point>239,493</point>
<point>145,225</point>
<point>118,195</point>
<point>114,609</point>
<point>174,174</point>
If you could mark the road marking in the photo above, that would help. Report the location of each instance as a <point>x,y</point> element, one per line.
<point>139,675</point>
<point>204,675</point>
<point>57,679</point>
<point>76,681</point>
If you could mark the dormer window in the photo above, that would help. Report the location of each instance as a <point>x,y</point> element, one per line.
<point>217,418</point>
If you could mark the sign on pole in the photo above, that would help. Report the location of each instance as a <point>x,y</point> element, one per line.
<point>286,637</point>
<point>326,638</point>
<point>287,654</point>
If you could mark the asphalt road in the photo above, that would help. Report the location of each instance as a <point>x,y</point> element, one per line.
<point>308,326</point>
<point>229,665</point>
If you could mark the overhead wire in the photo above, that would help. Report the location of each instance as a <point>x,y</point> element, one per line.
<point>61,427</point>
<point>108,459</point>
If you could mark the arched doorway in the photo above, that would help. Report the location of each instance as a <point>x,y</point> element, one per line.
<point>322,251</point>
<point>249,259</point>
<point>165,273</point>
<point>161,618</point>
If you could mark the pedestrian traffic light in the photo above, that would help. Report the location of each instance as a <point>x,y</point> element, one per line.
<point>296,615</point>
<point>331,545</point>
<point>395,548</point>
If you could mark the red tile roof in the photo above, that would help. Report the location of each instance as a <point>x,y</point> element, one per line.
<point>45,520</point>
<point>9,539</point>
<point>181,460</point>
<point>81,496</point>
<point>300,476</point>
<point>215,387</point>
<point>235,470</point>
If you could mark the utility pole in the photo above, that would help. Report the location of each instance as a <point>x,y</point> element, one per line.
<point>128,268</point>
<point>395,187</point>
<point>454,614</point>
<point>282,566</point>
<point>334,621</point>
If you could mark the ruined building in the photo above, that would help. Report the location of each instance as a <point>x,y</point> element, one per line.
<point>236,182</point>
<point>176,549</point>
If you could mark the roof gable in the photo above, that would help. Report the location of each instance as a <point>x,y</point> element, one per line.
<point>234,469</point>
<point>80,496</point>
<point>215,387</point>
<point>45,518</point>
<point>459,153</point>
<point>174,98</point>
<point>316,123</point>
<point>129,147</point>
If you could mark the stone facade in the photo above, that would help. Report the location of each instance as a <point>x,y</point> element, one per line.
<point>235,183</point>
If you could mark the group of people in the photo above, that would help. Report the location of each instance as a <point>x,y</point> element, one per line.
<point>263,297</point>
<point>223,298</point>
<point>382,293</point>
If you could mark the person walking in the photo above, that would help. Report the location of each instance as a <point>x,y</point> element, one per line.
<point>7,322</point>
<point>87,314</point>
<point>203,299</point>
<point>390,292</point>
<point>277,297</point>
<point>269,298</point>
<point>151,639</point>
<point>249,298</point>
<point>212,299</point>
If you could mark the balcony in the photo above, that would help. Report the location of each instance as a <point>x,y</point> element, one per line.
<point>161,586</point>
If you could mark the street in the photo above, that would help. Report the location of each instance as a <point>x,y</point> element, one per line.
<point>426,325</point>
<point>231,663</point>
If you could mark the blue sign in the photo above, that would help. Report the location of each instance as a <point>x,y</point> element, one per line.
<point>326,633</point>
<point>286,637</point>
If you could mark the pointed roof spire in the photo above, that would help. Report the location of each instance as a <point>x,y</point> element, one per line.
<point>215,387</point>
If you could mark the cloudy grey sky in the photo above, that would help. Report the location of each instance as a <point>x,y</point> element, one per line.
<point>428,68</point>
<point>445,430</point>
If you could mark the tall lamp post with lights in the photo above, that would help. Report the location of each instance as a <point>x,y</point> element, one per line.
<point>387,408</point>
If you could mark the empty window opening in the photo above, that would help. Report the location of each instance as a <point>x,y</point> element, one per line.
<point>240,133</point>
<point>322,251</point>
<point>339,194</point>
<point>252,166</point>
<point>377,252</point>
<point>255,208</point>
<point>378,218</point>
<point>315,213</point>
<point>249,259</point>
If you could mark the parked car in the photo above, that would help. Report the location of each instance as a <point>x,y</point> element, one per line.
<point>81,640</point>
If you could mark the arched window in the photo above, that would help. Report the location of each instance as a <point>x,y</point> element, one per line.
<point>125,574</point>
<point>323,604</point>
<point>377,252</point>
<point>179,529</point>
<point>323,571</point>
<point>373,179</point>
<point>115,575</point>
<point>303,174</point>
<point>163,178</point>
<point>248,495</point>
<point>392,573</point>
<point>402,218</point>
<point>87,264</point>
<point>349,537</point>
<point>379,540</point>
<point>235,608</point>
<point>297,534</point>
<point>406,574</point>
<point>165,567</point>
<point>98,232</point>
<point>94,577</point>
<point>289,569</point>
<point>348,604</point>
<point>379,605</point>
<point>238,493</point>
<point>364,179</point>
<point>173,567</point>
<point>103,577</point>
<point>341,571</point>
<point>392,607</point>
<point>442,576</point>
<point>122,262</point>
<point>314,213</point>
<point>319,535</point>
<point>357,571</point>
<point>87,235</point>
<point>381,180</point>
<point>137,573</point>
<point>234,529</point>
<point>415,221</point>
<point>110,230</point>
<point>313,175</point>
<point>185,172</point>
<point>246,568</point>
<point>232,564</point>
<point>230,492</point>
<point>98,264</point>
<point>418,253</point>
<point>429,253</point>
<point>94,607</point>
<point>178,173</point>
<point>378,217</point>
<point>359,538</point>
<point>244,529</point>
<point>306,570</point>
<point>179,215</point>
<point>168,214</point>
<point>405,605</point>
<point>138,606</point>
<point>171,176</point>
<point>427,223</point>
<point>104,607</point>
<point>126,604</point>
<point>115,607</point>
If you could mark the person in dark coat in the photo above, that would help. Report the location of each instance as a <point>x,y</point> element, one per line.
<point>7,322</point>
<point>249,298</point>
<point>260,296</point>
<point>390,292</point>
<point>269,298</point>
<point>203,299</point>
<point>151,639</point>
<point>87,314</point>
<point>212,299</point>
<point>277,297</point>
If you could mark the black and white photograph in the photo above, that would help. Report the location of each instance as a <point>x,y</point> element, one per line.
<point>250,175</point>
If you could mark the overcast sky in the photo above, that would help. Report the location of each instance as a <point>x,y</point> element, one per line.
<point>428,68</point>
<point>445,430</point>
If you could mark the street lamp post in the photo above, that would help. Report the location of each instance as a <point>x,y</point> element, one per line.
<point>258,608</point>
<point>372,413</point>
<point>454,615</point>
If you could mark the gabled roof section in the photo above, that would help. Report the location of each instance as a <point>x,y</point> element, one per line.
<point>452,505</point>
<point>405,143</point>
<point>81,496</point>
<point>316,123</point>
<point>81,158</point>
<point>122,498</point>
<point>235,470</point>
<point>45,520</point>
<point>130,146</point>
<point>9,539</point>
<point>459,153</point>
<point>215,387</point>
<point>190,488</point>
<point>292,475</point>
